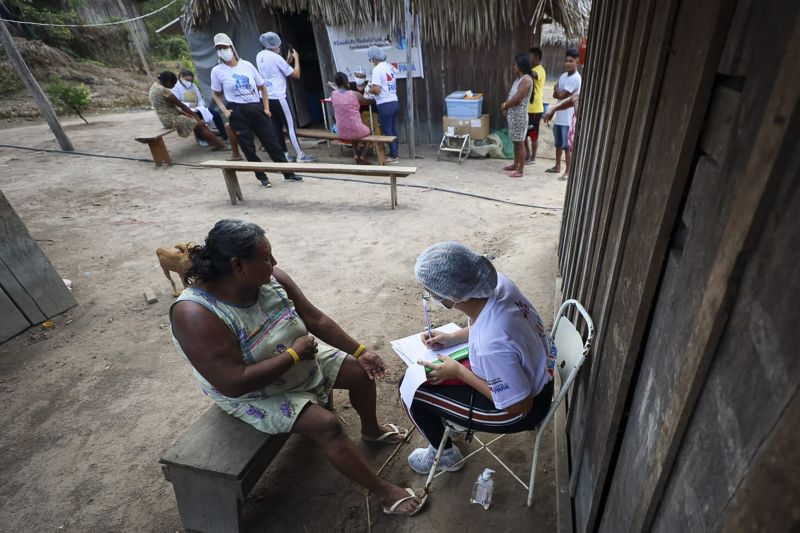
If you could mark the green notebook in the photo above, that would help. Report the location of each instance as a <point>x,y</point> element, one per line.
<point>459,355</point>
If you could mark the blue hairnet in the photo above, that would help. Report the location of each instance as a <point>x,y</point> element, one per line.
<point>270,40</point>
<point>376,54</point>
<point>454,272</point>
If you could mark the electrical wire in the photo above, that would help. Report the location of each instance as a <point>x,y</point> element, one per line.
<point>97,24</point>
<point>329,178</point>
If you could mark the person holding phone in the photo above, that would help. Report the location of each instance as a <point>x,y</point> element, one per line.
<point>275,70</point>
<point>508,385</point>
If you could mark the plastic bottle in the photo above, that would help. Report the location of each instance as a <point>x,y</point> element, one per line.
<point>483,488</point>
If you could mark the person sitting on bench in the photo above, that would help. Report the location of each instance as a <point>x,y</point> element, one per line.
<point>346,109</point>
<point>188,93</point>
<point>251,336</point>
<point>175,114</point>
<point>509,384</point>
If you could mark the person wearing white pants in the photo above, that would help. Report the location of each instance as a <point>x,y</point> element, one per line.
<point>275,69</point>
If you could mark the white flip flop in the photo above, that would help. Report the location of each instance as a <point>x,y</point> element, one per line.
<point>398,503</point>
<point>383,438</point>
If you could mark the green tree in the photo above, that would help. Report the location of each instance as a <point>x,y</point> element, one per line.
<point>74,97</point>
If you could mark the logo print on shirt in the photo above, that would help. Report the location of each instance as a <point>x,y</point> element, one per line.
<point>242,82</point>
<point>523,308</point>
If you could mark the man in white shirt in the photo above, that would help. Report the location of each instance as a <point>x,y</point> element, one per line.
<point>275,69</point>
<point>568,84</point>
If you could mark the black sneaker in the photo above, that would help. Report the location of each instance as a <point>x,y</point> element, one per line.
<point>293,177</point>
<point>265,182</point>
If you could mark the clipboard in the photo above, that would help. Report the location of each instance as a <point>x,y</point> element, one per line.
<point>460,355</point>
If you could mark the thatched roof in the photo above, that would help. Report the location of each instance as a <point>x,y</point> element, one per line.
<point>452,23</point>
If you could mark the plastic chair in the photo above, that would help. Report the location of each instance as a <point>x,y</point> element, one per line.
<point>572,352</point>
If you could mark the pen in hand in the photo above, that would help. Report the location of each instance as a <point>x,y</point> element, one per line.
<point>427,312</point>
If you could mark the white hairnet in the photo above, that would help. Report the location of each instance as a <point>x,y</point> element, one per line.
<point>453,271</point>
<point>376,54</point>
<point>270,40</point>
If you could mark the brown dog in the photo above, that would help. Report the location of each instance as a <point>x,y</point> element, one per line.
<point>178,262</point>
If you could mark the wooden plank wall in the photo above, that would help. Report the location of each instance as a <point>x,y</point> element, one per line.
<point>31,291</point>
<point>679,224</point>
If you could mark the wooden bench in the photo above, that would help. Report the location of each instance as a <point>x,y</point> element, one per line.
<point>229,169</point>
<point>157,147</point>
<point>376,140</point>
<point>213,467</point>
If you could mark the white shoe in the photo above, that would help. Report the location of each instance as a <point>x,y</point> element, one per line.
<point>421,460</point>
<point>289,157</point>
<point>305,158</point>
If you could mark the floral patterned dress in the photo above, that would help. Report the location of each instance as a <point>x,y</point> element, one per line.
<point>518,115</point>
<point>264,330</point>
<point>167,113</point>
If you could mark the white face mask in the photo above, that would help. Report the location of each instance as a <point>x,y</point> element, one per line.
<point>226,54</point>
<point>186,83</point>
<point>440,303</point>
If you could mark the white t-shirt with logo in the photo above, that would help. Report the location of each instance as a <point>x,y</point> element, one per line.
<point>509,347</point>
<point>274,69</point>
<point>188,95</point>
<point>383,75</point>
<point>571,84</point>
<point>239,84</point>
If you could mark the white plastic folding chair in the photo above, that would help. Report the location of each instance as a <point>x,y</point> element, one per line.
<point>572,352</point>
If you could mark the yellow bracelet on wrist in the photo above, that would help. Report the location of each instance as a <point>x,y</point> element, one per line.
<point>361,348</point>
<point>294,355</point>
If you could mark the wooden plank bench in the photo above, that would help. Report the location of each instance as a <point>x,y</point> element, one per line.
<point>229,169</point>
<point>214,465</point>
<point>157,146</point>
<point>376,140</point>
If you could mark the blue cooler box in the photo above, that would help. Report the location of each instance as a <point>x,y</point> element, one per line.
<point>459,107</point>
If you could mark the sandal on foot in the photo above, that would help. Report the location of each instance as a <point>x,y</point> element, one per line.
<point>553,170</point>
<point>508,167</point>
<point>401,501</point>
<point>515,174</point>
<point>395,436</point>
<point>234,158</point>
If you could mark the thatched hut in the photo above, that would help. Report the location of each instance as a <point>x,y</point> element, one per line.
<point>464,45</point>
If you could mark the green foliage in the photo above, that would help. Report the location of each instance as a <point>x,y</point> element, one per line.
<point>58,37</point>
<point>76,97</point>
<point>9,81</point>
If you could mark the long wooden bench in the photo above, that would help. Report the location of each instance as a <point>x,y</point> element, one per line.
<point>229,169</point>
<point>376,140</point>
<point>158,147</point>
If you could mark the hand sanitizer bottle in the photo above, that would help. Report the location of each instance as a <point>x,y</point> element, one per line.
<point>482,490</point>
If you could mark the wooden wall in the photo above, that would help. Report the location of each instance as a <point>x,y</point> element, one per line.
<point>680,233</point>
<point>31,291</point>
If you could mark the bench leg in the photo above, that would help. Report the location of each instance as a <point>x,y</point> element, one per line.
<point>393,180</point>
<point>232,184</point>
<point>205,502</point>
<point>158,149</point>
<point>380,153</point>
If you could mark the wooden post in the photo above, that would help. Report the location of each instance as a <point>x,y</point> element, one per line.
<point>410,124</point>
<point>137,43</point>
<point>45,108</point>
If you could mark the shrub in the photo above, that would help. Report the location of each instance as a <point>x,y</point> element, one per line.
<point>75,97</point>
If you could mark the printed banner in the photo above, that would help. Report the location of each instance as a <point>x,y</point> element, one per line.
<point>350,48</point>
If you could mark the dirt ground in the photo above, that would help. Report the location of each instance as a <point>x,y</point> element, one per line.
<point>87,408</point>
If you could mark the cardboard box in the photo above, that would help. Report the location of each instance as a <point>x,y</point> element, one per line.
<point>478,128</point>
